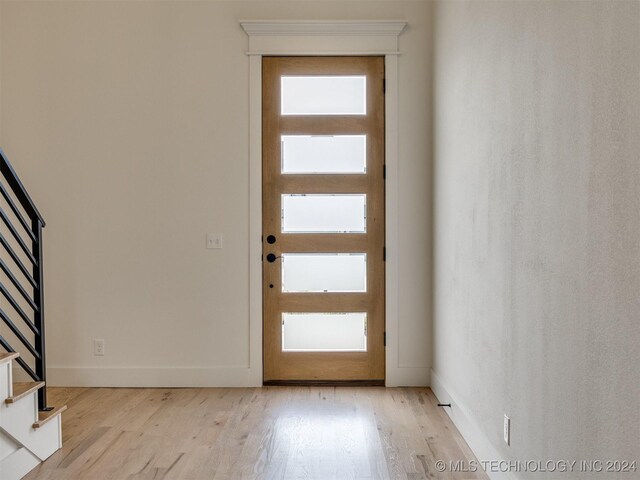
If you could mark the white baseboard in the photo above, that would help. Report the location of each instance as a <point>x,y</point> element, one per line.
<point>468,428</point>
<point>408,377</point>
<point>159,377</point>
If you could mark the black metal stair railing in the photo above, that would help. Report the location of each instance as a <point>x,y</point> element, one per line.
<point>21,266</point>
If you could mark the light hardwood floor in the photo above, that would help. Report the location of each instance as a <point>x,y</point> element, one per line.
<point>318,433</point>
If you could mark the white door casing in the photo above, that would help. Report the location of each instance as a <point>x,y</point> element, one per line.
<point>334,38</point>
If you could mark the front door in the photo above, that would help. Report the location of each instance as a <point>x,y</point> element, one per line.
<point>323,219</point>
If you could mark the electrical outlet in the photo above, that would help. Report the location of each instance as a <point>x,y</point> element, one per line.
<point>98,347</point>
<point>506,430</point>
<point>214,241</point>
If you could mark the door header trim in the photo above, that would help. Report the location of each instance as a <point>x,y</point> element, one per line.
<point>360,37</point>
<point>322,27</point>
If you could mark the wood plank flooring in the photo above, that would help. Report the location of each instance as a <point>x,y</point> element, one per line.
<point>318,433</point>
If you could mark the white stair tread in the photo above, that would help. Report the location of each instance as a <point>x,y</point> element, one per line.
<point>22,389</point>
<point>44,417</point>
<point>7,357</point>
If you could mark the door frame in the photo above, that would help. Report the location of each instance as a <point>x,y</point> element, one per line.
<point>323,38</point>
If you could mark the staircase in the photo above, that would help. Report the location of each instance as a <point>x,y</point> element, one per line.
<point>27,436</point>
<point>30,430</point>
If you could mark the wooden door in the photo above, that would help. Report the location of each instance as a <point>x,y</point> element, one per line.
<point>323,219</point>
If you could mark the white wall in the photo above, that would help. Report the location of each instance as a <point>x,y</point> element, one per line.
<point>128,122</point>
<point>537,226</point>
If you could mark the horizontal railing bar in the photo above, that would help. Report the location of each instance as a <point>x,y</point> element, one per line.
<point>18,285</point>
<point>17,307</point>
<point>16,331</point>
<point>20,361</point>
<point>16,212</point>
<point>18,238</point>
<point>17,261</point>
<point>13,181</point>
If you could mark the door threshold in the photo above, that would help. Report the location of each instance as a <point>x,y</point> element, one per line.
<point>323,383</point>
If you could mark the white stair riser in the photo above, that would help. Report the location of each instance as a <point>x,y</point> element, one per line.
<point>21,413</point>
<point>6,381</point>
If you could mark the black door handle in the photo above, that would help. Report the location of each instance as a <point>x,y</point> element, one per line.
<point>271,258</point>
<point>271,239</point>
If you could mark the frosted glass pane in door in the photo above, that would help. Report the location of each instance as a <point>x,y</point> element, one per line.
<point>324,213</point>
<point>324,95</point>
<point>324,332</point>
<point>309,154</point>
<point>324,272</point>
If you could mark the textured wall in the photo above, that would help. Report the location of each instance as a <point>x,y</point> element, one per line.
<point>537,206</point>
<point>129,123</point>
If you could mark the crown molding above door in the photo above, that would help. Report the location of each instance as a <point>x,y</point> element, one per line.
<point>322,27</point>
<point>320,37</point>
